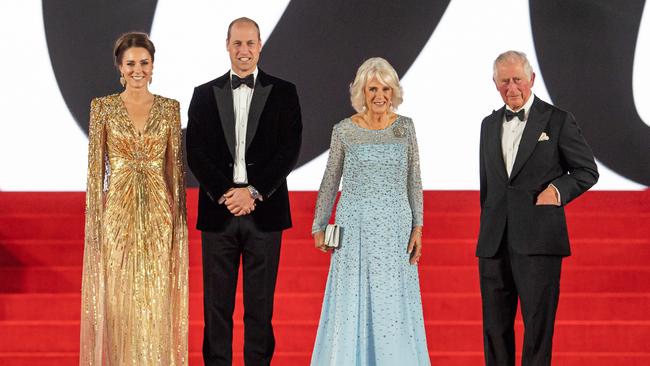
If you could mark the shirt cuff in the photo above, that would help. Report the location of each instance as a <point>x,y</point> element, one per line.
<point>222,199</point>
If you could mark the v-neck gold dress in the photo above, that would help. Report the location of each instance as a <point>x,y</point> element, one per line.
<point>134,290</point>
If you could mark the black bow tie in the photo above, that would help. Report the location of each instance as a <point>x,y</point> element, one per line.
<point>236,81</point>
<point>510,114</point>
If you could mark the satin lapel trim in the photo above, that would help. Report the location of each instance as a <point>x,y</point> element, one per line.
<point>223,96</point>
<point>260,94</point>
<point>537,120</point>
<point>495,152</point>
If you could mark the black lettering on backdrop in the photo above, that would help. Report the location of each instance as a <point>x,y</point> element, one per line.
<point>80,36</point>
<point>586,51</point>
<point>317,45</point>
<point>320,44</point>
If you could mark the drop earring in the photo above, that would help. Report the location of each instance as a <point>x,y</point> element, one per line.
<point>123,81</point>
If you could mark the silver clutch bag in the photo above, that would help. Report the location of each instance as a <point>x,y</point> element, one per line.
<point>332,235</point>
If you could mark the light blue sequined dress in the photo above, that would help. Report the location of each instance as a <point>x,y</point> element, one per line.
<point>372,310</point>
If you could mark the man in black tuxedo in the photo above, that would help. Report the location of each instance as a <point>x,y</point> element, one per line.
<point>243,140</point>
<point>533,161</point>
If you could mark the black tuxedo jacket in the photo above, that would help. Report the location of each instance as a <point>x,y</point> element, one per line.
<point>565,160</point>
<point>273,138</point>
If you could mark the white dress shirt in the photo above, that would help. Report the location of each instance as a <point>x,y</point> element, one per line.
<point>241,100</point>
<point>511,133</point>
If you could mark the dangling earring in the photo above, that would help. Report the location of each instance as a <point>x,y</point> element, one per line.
<point>150,80</point>
<point>123,81</point>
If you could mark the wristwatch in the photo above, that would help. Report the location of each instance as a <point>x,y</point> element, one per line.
<point>254,193</point>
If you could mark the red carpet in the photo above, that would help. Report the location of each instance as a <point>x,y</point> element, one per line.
<point>603,319</point>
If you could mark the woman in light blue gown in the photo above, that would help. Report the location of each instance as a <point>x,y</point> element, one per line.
<point>372,309</point>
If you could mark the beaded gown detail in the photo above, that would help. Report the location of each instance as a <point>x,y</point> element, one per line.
<point>134,287</point>
<point>372,308</point>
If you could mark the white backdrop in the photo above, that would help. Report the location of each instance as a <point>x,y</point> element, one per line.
<point>41,148</point>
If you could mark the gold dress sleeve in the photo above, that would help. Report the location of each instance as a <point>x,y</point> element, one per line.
<point>175,177</point>
<point>92,287</point>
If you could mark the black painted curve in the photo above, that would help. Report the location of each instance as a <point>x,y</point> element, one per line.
<point>319,45</point>
<point>585,50</point>
<point>80,36</point>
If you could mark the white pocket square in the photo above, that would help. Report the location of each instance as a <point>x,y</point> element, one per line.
<point>543,137</point>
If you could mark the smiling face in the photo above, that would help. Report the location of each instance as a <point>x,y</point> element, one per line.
<point>512,83</point>
<point>136,67</point>
<point>378,96</point>
<point>244,48</point>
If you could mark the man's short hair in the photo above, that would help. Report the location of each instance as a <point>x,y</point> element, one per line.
<point>510,56</point>
<point>244,20</point>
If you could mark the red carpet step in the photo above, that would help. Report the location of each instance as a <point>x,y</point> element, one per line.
<point>63,253</point>
<point>297,336</point>
<point>291,306</point>
<point>302,358</point>
<point>47,226</point>
<point>312,278</point>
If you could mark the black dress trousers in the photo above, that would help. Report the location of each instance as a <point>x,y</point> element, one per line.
<point>260,254</point>
<point>535,281</point>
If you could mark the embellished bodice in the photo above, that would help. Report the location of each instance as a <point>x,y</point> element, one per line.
<point>371,163</point>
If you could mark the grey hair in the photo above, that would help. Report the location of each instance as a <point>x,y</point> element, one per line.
<point>379,68</point>
<point>510,56</point>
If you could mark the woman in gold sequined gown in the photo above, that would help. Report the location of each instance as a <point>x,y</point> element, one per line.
<point>134,290</point>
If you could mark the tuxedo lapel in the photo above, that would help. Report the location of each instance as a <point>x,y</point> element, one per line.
<point>260,94</point>
<point>494,151</point>
<point>537,120</point>
<point>223,97</point>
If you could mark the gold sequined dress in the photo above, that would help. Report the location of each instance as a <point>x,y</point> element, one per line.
<point>134,288</point>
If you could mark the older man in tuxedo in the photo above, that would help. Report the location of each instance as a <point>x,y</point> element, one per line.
<point>243,139</point>
<point>533,161</point>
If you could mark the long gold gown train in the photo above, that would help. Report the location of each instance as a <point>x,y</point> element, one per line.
<point>134,288</point>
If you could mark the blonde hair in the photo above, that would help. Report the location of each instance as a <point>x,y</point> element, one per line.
<point>375,68</point>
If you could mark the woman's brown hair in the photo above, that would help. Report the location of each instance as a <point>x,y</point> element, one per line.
<point>129,40</point>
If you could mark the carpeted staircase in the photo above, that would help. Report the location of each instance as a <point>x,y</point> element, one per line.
<point>603,318</point>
